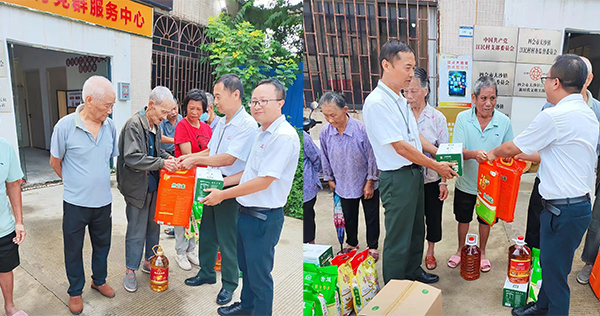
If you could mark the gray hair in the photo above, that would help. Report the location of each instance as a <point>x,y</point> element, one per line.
<point>159,94</point>
<point>95,86</point>
<point>484,82</point>
<point>210,99</point>
<point>332,98</point>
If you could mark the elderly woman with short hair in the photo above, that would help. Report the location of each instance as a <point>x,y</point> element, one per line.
<point>479,129</point>
<point>350,168</point>
<point>433,126</point>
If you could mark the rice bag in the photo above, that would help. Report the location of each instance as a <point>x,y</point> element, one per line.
<point>345,276</point>
<point>365,283</point>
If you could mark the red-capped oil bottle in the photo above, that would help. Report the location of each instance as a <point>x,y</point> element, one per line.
<point>519,262</point>
<point>159,270</point>
<point>470,259</point>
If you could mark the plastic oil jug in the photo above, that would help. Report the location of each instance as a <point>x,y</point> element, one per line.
<point>470,259</point>
<point>519,262</point>
<point>510,179</point>
<point>159,270</point>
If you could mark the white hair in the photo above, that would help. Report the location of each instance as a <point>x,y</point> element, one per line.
<point>588,64</point>
<point>159,94</point>
<point>96,87</point>
<point>210,99</point>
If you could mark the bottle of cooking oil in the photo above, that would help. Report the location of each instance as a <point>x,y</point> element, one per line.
<point>470,259</point>
<point>159,270</point>
<point>519,262</point>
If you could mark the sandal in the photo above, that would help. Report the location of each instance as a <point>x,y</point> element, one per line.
<point>454,261</point>
<point>348,249</point>
<point>20,313</point>
<point>374,253</point>
<point>486,265</point>
<point>430,262</point>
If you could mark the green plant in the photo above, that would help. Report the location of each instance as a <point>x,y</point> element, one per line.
<point>293,207</point>
<point>241,49</point>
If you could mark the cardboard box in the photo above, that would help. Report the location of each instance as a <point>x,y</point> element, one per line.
<point>514,295</point>
<point>403,297</point>
<point>320,255</point>
<point>207,178</point>
<point>452,152</point>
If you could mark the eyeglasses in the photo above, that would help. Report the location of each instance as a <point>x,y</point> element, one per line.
<point>543,79</point>
<point>261,103</point>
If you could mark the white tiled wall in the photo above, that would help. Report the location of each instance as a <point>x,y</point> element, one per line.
<point>141,72</point>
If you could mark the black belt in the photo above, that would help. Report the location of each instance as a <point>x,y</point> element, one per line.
<point>411,166</point>
<point>550,205</point>
<point>256,212</point>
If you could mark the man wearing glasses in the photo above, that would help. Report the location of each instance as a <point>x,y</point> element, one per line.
<point>265,184</point>
<point>228,150</point>
<point>562,136</point>
<point>138,171</point>
<point>82,145</point>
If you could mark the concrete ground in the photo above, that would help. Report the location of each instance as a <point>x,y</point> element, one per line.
<point>37,167</point>
<point>460,297</point>
<point>41,282</point>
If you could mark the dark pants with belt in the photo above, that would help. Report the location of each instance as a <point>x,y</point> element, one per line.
<point>560,235</point>
<point>218,230</point>
<point>99,222</point>
<point>371,209</point>
<point>532,234</point>
<point>592,239</point>
<point>257,238</point>
<point>402,195</point>
<point>309,220</point>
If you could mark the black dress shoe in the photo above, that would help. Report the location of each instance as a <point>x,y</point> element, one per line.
<point>426,278</point>
<point>197,281</point>
<point>233,309</point>
<point>224,297</point>
<point>529,309</point>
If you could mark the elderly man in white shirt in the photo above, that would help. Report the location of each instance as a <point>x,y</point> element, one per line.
<point>397,145</point>
<point>264,187</point>
<point>567,149</point>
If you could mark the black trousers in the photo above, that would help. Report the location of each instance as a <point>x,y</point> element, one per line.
<point>309,220</point>
<point>99,222</point>
<point>532,234</point>
<point>433,211</point>
<point>371,208</point>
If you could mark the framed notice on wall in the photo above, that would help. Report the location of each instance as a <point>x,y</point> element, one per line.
<point>74,98</point>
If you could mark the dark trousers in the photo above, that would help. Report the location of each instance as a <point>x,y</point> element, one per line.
<point>433,211</point>
<point>532,234</point>
<point>403,198</point>
<point>559,237</point>
<point>99,222</point>
<point>371,209</point>
<point>218,230</point>
<point>592,239</point>
<point>309,220</point>
<point>257,239</point>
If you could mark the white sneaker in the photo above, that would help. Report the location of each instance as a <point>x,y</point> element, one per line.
<point>193,257</point>
<point>183,262</point>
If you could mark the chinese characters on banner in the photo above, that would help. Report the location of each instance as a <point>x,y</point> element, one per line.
<point>455,80</point>
<point>504,73</point>
<point>527,80</point>
<point>538,46</point>
<point>124,15</point>
<point>494,43</point>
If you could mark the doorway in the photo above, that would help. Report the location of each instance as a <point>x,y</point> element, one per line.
<point>39,78</point>
<point>585,44</point>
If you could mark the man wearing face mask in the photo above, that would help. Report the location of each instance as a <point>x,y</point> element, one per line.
<point>167,128</point>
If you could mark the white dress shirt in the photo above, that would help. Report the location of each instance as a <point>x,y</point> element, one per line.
<point>234,138</point>
<point>386,115</point>
<point>275,153</point>
<point>566,139</point>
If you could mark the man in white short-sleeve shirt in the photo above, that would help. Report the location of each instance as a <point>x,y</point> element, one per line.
<point>228,150</point>
<point>264,187</point>
<point>392,131</point>
<point>567,147</point>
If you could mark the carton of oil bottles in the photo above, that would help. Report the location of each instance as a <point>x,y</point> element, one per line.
<point>159,270</point>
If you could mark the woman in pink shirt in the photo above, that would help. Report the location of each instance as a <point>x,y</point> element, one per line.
<point>191,136</point>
